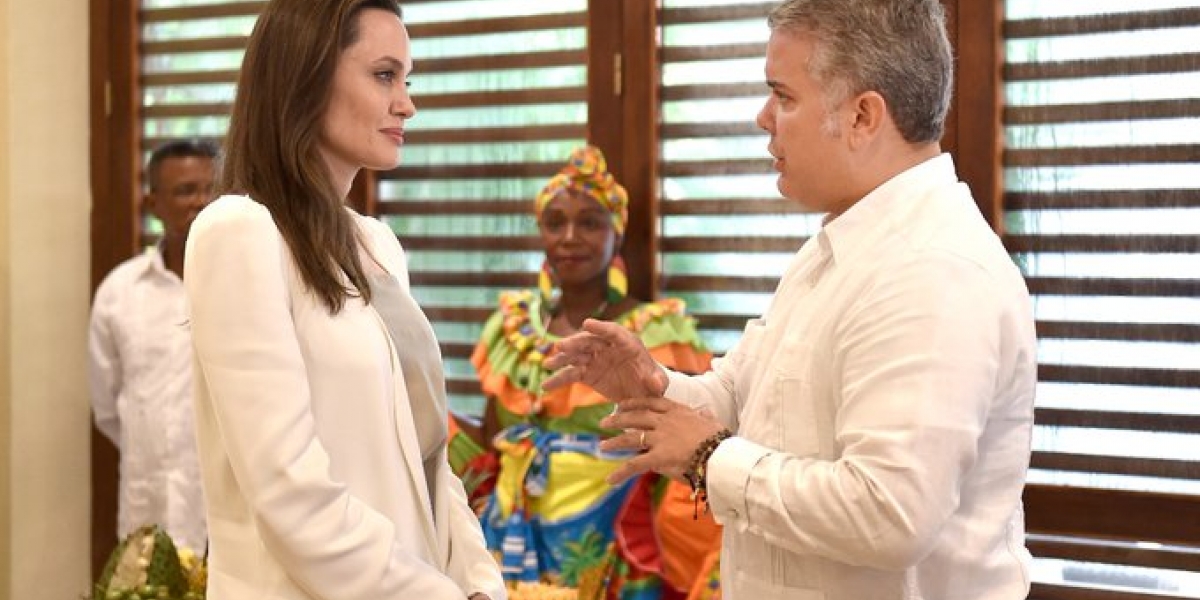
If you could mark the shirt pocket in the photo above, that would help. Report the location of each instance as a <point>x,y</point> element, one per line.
<point>746,354</point>
<point>793,397</point>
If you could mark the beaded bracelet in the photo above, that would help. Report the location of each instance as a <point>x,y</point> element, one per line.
<point>697,470</point>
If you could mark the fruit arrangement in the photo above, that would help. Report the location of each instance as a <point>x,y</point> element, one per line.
<point>147,566</point>
<point>540,591</point>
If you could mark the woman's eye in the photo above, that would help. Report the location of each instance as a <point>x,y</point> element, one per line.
<point>386,76</point>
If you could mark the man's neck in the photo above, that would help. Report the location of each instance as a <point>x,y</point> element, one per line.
<point>172,254</point>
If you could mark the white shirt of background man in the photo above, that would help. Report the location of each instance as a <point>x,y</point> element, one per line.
<point>140,376</point>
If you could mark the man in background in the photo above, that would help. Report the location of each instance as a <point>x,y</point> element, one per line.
<point>140,356</point>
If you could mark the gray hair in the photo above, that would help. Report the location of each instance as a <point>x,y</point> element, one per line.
<point>897,48</point>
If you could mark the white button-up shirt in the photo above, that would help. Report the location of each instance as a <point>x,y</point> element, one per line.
<point>140,375</point>
<point>883,408</point>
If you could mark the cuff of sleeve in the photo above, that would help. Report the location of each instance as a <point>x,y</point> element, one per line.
<point>676,382</point>
<point>728,474</point>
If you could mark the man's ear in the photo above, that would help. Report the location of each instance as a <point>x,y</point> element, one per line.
<point>150,203</point>
<point>870,113</point>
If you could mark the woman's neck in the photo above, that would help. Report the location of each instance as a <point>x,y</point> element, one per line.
<point>575,305</point>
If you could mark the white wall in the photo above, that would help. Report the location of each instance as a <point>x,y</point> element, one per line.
<point>44,273</point>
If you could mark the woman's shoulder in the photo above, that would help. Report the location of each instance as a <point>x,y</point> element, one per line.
<point>233,211</point>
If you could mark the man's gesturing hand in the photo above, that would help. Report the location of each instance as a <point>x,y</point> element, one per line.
<point>608,358</point>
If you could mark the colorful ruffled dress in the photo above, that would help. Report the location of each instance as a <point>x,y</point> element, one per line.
<point>551,516</point>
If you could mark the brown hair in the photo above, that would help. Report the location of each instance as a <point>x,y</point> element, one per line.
<point>897,48</point>
<point>271,149</point>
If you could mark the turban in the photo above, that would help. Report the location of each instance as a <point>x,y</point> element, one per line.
<point>586,172</point>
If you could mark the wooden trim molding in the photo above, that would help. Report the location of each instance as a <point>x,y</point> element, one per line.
<point>116,197</point>
<point>974,133</point>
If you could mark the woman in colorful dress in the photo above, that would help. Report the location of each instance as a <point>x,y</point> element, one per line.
<point>546,509</point>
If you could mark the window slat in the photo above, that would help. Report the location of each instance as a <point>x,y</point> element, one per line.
<point>1120,375</point>
<point>709,168</point>
<point>1161,423</point>
<point>1114,155</point>
<point>474,278</point>
<point>715,14</point>
<point>1132,332</point>
<point>450,29</point>
<point>457,350</point>
<point>494,134</point>
<point>738,206</point>
<point>497,62</point>
<point>1178,244</point>
<point>739,244</point>
<point>472,243</point>
<point>1114,287</point>
<point>1105,111</point>
<point>214,44</point>
<point>456,207</point>
<point>165,111</point>
<point>672,131</point>
<point>1116,465</point>
<point>462,386</point>
<point>1107,199</point>
<point>711,283</point>
<point>202,11</point>
<point>457,314</point>
<point>502,98</point>
<point>189,78</point>
<point>718,321</point>
<point>1047,591</point>
<point>1108,23</point>
<point>705,92</point>
<point>1134,65</point>
<point>474,171</point>
<point>1112,514</point>
<point>673,54</point>
<point>1082,549</point>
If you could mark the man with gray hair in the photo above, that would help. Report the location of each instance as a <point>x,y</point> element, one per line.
<point>868,437</point>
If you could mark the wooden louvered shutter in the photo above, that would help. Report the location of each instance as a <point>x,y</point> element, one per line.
<point>725,233</point>
<point>189,56</point>
<point>1102,212</point>
<point>501,95</point>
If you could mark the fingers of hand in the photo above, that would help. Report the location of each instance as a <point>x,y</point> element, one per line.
<point>656,405</point>
<point>628,418</point>
<point>629,469</point>
<point>562,378</point>
<point>630,439</point>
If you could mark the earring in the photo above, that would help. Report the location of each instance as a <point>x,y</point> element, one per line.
<point>618,280</point>
<point>546,282</point>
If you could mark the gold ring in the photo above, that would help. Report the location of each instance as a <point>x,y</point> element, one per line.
<point>642,440</point>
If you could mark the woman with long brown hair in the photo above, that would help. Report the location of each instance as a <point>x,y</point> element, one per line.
<point>321,406</point>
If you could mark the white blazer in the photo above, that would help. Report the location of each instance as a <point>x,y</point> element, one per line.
<point>311,465</point>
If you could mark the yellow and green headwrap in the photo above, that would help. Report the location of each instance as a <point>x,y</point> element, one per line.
<point>587,172</point>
